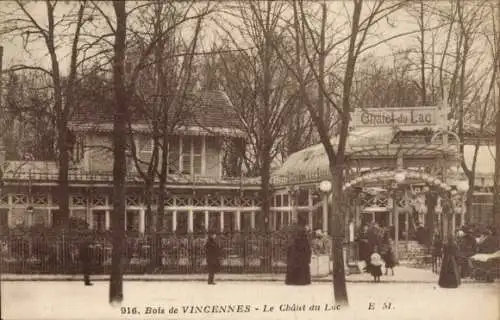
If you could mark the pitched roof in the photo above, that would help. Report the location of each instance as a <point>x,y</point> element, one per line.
<point>206,112</point>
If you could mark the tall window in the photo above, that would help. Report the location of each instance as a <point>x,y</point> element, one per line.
<point>99,220</point>
<point>173,155</point>
<point>186,155</point>
<point>78,148</point>
<point>188,158</point>
<point>197,146</point>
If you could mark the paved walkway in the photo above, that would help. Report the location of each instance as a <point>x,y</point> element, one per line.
<point>403,274</point>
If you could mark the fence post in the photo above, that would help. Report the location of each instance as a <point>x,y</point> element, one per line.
<point>64,268</point>
<point>245,259</point>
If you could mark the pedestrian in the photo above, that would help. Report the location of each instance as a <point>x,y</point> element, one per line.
<point>488,243</point>
<point>449,276</point>
<point>85,256</point>
<point>212,252</point>
<point>376,265</point>
<point>388,254</point>
<point>298,271</point>
<point>466,248</point>
<point>363,246</point>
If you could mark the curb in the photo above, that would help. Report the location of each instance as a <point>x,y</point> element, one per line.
<point>219,281</point>
<point>100,278</point>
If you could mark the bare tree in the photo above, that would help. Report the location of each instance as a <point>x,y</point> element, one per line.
<point>258,86</point>
<point>469,99</point>
<point>21,22</point>
<point>310,43</point>
<point>28,124</point>
<point>126,103</point>
<point>496,194</point>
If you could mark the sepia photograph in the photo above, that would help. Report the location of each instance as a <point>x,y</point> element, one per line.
<point>249,159</point>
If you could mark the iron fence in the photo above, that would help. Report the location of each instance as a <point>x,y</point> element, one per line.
<point>58,253</point>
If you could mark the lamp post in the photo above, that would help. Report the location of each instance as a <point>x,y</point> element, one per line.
<point>463,188</point>
<point>325,187</point>
<point>399,177</point>
<point>29,209</point>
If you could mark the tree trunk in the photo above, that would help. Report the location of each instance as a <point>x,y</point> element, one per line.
<point>422,55</point>
<point>496,190</point>
<point>119,154</point>
<point>265,193</point>
<point>63,185</point>
<point>337,221</point>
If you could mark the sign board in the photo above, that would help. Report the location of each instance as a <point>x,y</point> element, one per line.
<point>415,117</point>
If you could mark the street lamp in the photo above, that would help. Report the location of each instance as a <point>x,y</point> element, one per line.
<point>325,186</point>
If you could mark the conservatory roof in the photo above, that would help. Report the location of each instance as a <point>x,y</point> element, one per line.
<point>362,144</point>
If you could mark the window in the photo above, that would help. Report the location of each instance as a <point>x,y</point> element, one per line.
<point>167,221</point>
<point>188,159</point>
<point>78,145</point>
<point>285,200</point>
<point>199,221</point>
<point>278,200</point>
<point>197,149</point>
<point>132,220</point>
<point>186,155</point>
<point>99,220</point>
<point>173,155</point>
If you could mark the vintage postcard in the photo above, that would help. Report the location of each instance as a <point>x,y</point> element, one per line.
<point>249,159</point>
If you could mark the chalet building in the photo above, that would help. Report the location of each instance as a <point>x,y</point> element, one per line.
<point>205,192</point>
<point>201,193</point>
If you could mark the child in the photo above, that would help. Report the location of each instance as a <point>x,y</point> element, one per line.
<point>390,260</point>
<point>376,265</point>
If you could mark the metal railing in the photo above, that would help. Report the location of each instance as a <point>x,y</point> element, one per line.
<point>35,253</point>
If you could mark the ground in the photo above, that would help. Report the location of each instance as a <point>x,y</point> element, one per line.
<point>71,300</point>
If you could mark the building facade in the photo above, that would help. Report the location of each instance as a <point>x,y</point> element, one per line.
<point>200,195</point>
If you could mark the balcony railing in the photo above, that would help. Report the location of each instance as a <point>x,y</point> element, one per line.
<point>38,174</point>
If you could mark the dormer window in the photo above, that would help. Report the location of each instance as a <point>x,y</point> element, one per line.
<point>77,148</point>
<point>185,154</point>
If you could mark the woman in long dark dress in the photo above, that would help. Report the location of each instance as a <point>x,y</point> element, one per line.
<point>449,277</point>
<point>212,251</point>
<point>299,253</point>
<point>363,248</point>
<point>86,260</point>
<point>466,249</point>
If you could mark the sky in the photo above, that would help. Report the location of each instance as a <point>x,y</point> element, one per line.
<point>339,11</point>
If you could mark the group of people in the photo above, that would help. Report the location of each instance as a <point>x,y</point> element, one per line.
<point>375,249</point>
<point>458,250</point>
<point>470,240</point>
